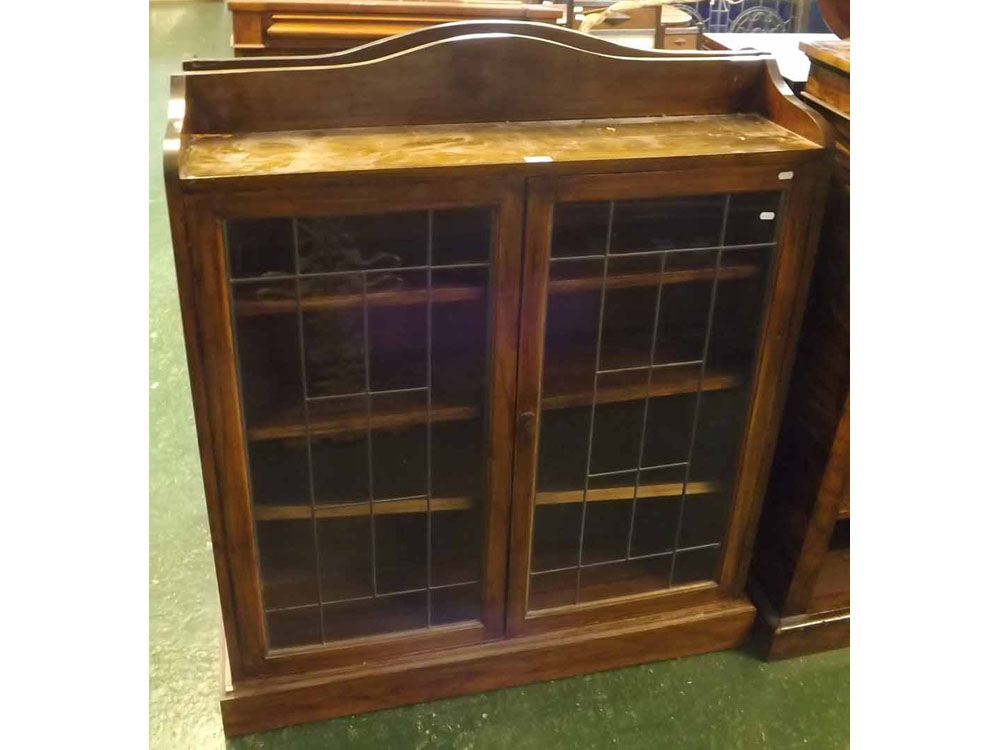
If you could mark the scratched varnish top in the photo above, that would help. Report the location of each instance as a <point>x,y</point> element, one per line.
<point>836,53</point>
<point>480,144</point>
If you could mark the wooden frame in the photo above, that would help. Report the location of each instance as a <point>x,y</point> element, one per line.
<point>787,287</point>
<point>742,131</point>
<point>212,308</point>
<point>259,706</point>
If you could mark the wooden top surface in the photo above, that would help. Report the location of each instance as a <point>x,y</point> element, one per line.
<point>835,53</point>
<point>358,150</point>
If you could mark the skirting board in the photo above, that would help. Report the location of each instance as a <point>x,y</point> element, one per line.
<point>797,635</point>
<point>272,703</point>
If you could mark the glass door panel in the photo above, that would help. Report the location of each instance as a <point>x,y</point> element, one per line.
<point>362,344</point>
<point>652,314</point>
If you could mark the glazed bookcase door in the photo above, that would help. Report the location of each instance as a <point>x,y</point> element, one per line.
<point>643,310</point>
<point>375,427</point>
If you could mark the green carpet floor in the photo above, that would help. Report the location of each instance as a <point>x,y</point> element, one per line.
<point>728,700</point>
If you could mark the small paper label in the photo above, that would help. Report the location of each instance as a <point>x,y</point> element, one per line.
<point>785,175</point>
<point>537,158</point>
<point>767,215</point>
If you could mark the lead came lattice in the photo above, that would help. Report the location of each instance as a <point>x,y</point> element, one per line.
<point>718,248</point>
<point>374,505</point>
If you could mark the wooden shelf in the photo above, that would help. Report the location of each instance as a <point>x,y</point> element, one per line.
<point>440,504</point>
<point>574,389</point>
<point>613,581</point>
<point>361,508</point>
<point>626,492</point>
<point>354,422</point>
<point>291,588</point>
<point>256,307</point>
<point>652,278</point>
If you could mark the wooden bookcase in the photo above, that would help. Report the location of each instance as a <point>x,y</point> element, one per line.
<point>487,370</point>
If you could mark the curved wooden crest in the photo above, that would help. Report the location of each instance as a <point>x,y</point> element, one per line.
<point>446,75</point>
<point>391,45</point>
<point>469,78</point>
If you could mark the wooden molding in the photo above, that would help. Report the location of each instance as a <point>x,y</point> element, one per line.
<point>797,635</point>
<point>268,704</point>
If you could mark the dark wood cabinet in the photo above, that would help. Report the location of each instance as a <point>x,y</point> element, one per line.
<point>801,569</point>
<point>487,374</point>
<point>800,575</point>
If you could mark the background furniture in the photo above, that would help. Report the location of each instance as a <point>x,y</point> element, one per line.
<point>282,27</point>
<point>800,577</point>
<point>786,48</point>
<point>487,372</point>
<point>756,16</point>
<point>673,27</point>
<point>769,21</point>
<point>837,15</point>
<point>801,567</point>
<point>676,29</point>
